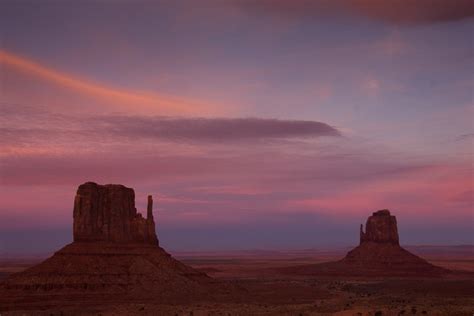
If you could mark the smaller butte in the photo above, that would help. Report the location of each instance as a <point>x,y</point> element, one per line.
<point>379,254</point>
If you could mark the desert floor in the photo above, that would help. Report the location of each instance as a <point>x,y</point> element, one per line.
<point>269,293</point>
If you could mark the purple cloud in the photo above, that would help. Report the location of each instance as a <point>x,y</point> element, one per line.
<point>213,129</point>
<point>43,125</point>
<point>391,11</point>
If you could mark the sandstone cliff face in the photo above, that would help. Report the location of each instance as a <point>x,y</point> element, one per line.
<point>381,227</point>
<point>107,213</point>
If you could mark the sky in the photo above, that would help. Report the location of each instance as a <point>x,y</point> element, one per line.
<point>264,124</point>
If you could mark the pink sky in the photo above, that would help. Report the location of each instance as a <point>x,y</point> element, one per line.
<point>252,125</point>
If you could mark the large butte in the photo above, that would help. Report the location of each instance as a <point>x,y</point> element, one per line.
<point>115,256</point>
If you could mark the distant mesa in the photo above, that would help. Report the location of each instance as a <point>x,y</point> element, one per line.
<point>115,254</point>
<point>378,254</point>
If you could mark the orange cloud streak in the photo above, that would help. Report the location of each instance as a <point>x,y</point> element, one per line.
<point>176,105</point>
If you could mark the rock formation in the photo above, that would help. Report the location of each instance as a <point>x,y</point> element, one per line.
<point>378,254</point>
<point>115,255</point>
<point>381,227</point>
<point>107,213</point>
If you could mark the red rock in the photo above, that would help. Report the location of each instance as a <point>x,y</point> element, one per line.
<point>108,213</point>
<point>378,255</point>
<point>114,257</point>
<point>381,227</point>
<point>379,252</point>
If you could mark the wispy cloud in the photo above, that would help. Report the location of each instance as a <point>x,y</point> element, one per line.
<point>147,100</point>
<point>32,126</point>
<point>391,11</point>
<point>215,129</point>
<point>392,45</point>
<point>463,137</point>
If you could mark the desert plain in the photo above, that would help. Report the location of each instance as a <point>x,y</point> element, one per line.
<point>263,290</point>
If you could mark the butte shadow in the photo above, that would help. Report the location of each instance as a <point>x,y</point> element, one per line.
<point>379,254</point>
<point>115,257</point>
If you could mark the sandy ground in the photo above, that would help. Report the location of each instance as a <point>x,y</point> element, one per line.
<point>272,294</point>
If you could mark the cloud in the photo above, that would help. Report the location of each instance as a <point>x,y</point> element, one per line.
<point>264,169</point>
<point>241,187</point>
<point>226,175</point>
<point>371,86</point>
<point>419,192</point>
<point>214,129</point>
<point>392,45</point>
<point>464,198</point>
<point>145,100</point>
<point>390,11</point>
<point>419,11</point>
<point>463,137</point>
<point>48,126</point>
